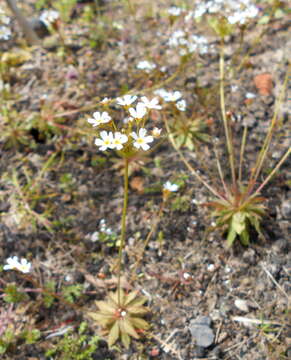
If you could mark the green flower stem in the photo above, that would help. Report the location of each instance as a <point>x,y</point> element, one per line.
<point>157,217</point>
<point>264,150</point>
<point>224,118</point>
<point>188,165</point>
<point>242,151</point>
<point>272,173</point>
<point>123,227</point>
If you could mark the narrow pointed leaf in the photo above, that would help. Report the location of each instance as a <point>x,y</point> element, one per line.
<point>231,237</point>
<point>125,340</point>
<point>138,310</point>
<point>137,302</point>
<point>106,307</point>
<point>245,237</point>
<point>125,326</point>
<point>139,323</point>
<point>113,334</point>
<point>130,297</point>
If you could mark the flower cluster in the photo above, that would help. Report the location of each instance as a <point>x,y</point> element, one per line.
<point>188,44</point>
<point>236,11</point>
<point>14,264</point>
<point>104,235</point>
<point>125,139</point>
<point>172,96</point>
<point>146,66</point>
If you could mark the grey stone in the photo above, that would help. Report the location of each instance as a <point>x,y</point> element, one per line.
<point>202,334</point>
<point>201,320</point>
<point>201,331</point>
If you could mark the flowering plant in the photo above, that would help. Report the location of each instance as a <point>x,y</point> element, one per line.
<point>121,313</point>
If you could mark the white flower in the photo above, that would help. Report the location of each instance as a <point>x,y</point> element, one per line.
<point>250,95</point>
<point>48,17</point>
<point>105,100</point>
<point>106,141</point>
<point>173,96</point>
<point>146,66</point>
<point>200,11</point>
<point>161,92</point>
<point>126,100</point>
<point>174,11</point>
<point>5,33</point>
<point>181,105</point>
<point>139,112</point>
<point>170,187</point>
<point>99,118</point>
<point>14,264</point>
<point>141,140</point>
<point>176,37</point>
<point>118,140</point>
<point>151,104</point>
<point>156,132</point>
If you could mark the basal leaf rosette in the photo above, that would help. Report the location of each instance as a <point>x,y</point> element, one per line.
<point>238,213</point>
<point>121,320</point>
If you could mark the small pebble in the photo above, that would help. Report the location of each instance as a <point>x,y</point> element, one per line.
<point>241,305</point>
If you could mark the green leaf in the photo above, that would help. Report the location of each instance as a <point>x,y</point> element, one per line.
<point>130,297</point>
<point>12,295</point>
<point>125,340</point>
<point>238,222</point>
<point>138,310</point>
<point>127,327</point>
<point>102,319</point>
<point>72,291</point>
<point>106,307</point>
<point>139,323</point>
<point>113,334</point>
<point>245,237</point>
<point>231,237</point>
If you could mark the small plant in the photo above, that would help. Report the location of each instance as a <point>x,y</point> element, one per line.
<point>72,346</point>
<point>122,316</point>
<point>238,212</point>
<point>129,139</point>
<point>239,205</point>
<point>27,195</point>
<point>13,330</point>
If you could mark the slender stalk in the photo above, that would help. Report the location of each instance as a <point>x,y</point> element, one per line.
<point>153,229</point>
<point>229,143</point>
<point>242,151</point>
<point>263,153</point>
<point>226,190</point>
<point>123,226</point>
<point>186,162</point>
<point>276,168</point>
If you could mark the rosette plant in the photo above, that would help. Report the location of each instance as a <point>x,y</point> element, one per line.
<point>238,205</point>
<point>121,313</point>
<point>122,317</point>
